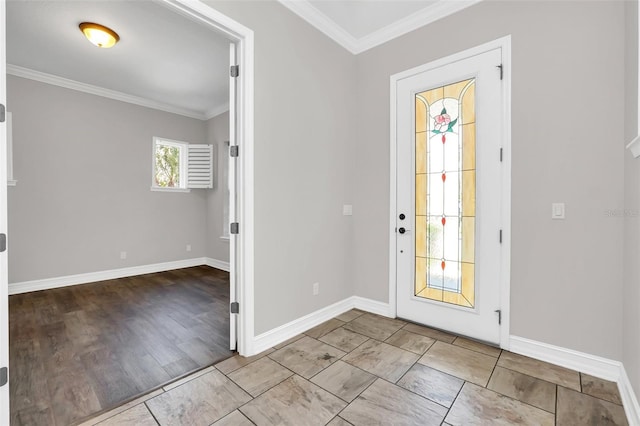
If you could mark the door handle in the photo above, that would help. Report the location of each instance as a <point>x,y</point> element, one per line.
<point>402,230</point>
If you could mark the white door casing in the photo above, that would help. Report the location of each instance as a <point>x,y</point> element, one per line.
<point>492,192</point>
<point>4,287</point>
<point>232,182</point>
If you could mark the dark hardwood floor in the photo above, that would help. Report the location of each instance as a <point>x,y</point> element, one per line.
<point>76,351</point>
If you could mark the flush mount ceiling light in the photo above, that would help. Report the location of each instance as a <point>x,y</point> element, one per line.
<point>99,35</point>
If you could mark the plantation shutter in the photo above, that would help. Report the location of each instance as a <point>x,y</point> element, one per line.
<point>200,166</point>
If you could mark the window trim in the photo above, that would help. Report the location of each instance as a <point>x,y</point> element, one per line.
<point>184,153</point>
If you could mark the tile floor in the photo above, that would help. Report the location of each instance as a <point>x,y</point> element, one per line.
<point>363,369</point>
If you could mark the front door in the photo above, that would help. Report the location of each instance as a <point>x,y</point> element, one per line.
<point>449,135</point>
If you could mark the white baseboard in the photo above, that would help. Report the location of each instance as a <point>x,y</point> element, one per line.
<point>629,399</point>
<point>286,331</point>
<point>373,306</point>
<point>68,280</point>
<point>218,264</point>
<point>593,365</point>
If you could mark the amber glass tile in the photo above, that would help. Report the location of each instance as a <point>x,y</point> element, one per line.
<point>421,274</point>
<point>421,115</point>
<point>421,236</point>
<point>433,95</point>
<point>421,195</point>
<point>421,152</point>
<point>468,239</point>
<point>454,90</point>
<point>468,105</point>
<point>455,298</point>
<point>468,282</point>
<point>469,193</point>
<point>469,146</point>
<point>431,293</point>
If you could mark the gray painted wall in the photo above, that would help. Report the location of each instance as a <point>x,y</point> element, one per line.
<point>305,103</point>
<point>567,106</point>
<point>83,165</point>
<point>217,134</point>
<point>631,290</point>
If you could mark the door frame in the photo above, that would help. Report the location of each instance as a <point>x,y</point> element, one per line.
<point>243,243</point>
<point>505,268</point>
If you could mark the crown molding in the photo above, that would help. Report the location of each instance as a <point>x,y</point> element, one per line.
<point>322,22</point>
<point>214,112</point>
<point>55,80</point>
<point>326,25</point>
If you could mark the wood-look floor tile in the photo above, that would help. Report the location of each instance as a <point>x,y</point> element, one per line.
<point>386,403</point>
<point>479,406</point>
<point>382,359</point>
<point>33,415</point>
<point>430,332</point>
<point>286,342</point>
<point>295,402</point>
<point>343,380</point>
<point>344,339</point>
<point>375,326</point>
<point>307,356</point>
<point>575,408</point>
<point>522,387</point>
<point>410,341</point>
<point>460,362</point>
<point>260,376</point>
<point>432,384</point>
<point>201,401</point>
<point>477,346</point>
<point>338,421</point>
<point>237,361</point>
<point>72,395</point>
<point>324,328</point>
<point>350,315</point>
<point>540,369</point>
<point>136,416</point>
<point>236,418</point>
<point>600,388</point>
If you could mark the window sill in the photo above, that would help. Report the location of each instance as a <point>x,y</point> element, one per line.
<point>224,238</point>
<point>12,182</point>
<point>158,189</point>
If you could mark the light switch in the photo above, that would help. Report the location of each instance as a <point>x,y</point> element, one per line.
<point>347,210</point>
<point>557,211</point>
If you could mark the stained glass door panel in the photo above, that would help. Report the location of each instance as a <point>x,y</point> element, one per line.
<point>445,193</point>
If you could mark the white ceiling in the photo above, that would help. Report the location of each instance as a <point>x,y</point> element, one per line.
<point>173,63</point>
<point>164,60</point>
<point>359,25</point>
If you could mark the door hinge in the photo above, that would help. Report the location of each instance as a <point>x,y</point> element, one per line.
<point>3,376</point>
<point>501,70</point>
<point>501,154</point>
<point>235,70</point>
<point>3,242</point>
<point>499,312</point>
<point>234,228</point>
<point>3,113</point>
<point>500,237</point>
<point>235,307</point>
<point>234,150</point>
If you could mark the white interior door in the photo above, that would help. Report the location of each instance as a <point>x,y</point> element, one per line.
<point>4,299</point>
<point>449,129</point>
<point>232,181</point>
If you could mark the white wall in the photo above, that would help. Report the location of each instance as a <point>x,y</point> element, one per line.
<point>631,290</point>
<point>305,102</point>
<point>567,106</point>
<point>83,165</point>
<point>217,134</point>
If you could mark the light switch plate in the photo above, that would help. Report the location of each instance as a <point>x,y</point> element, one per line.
<point>557,211</point>
<point>347,210</point>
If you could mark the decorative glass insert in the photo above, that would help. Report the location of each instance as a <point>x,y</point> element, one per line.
<point>445,156</point>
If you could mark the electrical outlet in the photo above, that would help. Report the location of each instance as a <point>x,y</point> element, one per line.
<point>123,255</point>
<point>188,247</point>
<point>316,288</point>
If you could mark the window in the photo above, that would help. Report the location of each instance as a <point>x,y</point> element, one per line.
<point>179,166</point>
